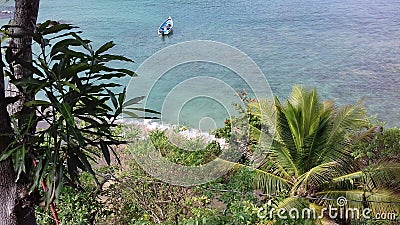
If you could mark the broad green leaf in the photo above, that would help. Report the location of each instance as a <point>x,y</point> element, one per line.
<point>121,96</point>
<point>116,57</point>
<point>115,155</point>
<point>65,109</point>
<point>44,66</point>
<point>113,70</point>
<point>65,35</point>
<point>113,99</point>
<point>88,167</point>
<point>75,69</point>
<point>109,76</point>
<point>71,86</point>
<point>128,72</point>
<point>105,47</point>
<point>59,182</point>
<point>57,28</point>
<point>72,54</point>
<point>145,110</point>
<point>106,152</point>
<point>84,43</point>
<point>43,26</point>
<point>38,175</point>
<point>8,153</point>
<point>131,114</point>
<point>19,161</point>
<point>133,101</point>
<point>78,135</point>
<point>37,103</point>
<point>63,44</point>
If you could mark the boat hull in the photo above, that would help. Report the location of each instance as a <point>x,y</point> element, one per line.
<point>166,27</point>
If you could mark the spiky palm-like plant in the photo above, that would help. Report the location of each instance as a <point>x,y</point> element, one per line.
<point>310,156</point>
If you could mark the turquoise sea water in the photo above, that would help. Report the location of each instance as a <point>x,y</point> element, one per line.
<point>346,48</point>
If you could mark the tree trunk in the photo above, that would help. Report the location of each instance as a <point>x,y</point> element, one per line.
<point>25,16</point>
<point>8,189</point>
<point>8,193</point>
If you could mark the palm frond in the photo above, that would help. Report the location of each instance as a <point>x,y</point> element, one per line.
<point>283,131</point>
<point>366,135</point>
<point>349,176</point>
<point>377,201</point>
<point>384,175</point>
<point>348,117</point>
<point>270,183</point>
<point>307,102</point>
<point>380,175</point>
<point>314,144</point>
<point>319,175</point>
<point>293,117</point>
<point>293,203</point>
<point>279,157</point>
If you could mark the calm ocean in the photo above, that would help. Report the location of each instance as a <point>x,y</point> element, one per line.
<point>348,49</point>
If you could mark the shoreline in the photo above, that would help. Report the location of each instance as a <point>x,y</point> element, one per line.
<point>148,125</point>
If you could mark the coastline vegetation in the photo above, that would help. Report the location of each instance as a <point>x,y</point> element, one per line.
<point>319,151</point>
<point>370,157</point>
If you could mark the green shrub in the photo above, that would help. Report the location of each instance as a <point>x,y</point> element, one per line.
<point>73,208</point>
<point>384,145</point>
<point>193,153</point>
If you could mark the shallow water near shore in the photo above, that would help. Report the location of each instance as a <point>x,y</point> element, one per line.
<point>346,49</point>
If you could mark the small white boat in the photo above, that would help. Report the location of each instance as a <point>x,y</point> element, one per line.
<point>166,27</point>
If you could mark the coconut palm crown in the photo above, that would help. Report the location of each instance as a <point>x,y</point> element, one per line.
<point>311,159</point>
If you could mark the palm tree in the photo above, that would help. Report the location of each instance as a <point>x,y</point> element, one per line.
<point>310,156</point>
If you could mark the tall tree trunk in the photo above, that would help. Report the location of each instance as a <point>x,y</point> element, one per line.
<point>8,188</point>
<point>8,192</point>
<point>25,16</point>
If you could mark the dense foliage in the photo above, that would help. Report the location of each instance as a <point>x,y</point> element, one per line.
<point>133,197</point>
<point>59,135</point>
